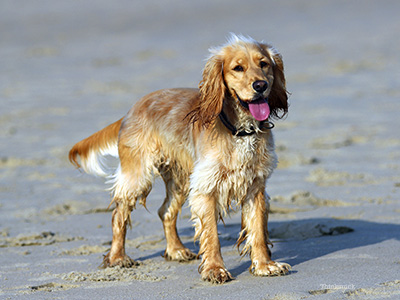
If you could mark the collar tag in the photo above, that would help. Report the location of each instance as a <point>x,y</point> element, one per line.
<point>234,131</point>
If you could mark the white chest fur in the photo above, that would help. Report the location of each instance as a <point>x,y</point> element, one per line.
<point>229,174</point>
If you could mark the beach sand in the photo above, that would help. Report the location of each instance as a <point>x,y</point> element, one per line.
<point>69,68</point>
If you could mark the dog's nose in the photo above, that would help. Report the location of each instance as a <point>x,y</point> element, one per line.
<point>260,86</point>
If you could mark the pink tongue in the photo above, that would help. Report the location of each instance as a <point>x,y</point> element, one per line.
<point>259,109</point>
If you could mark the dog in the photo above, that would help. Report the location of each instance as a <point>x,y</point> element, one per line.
<point>212,145</point>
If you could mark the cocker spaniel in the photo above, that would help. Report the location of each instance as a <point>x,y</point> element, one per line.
<point>211,145</point>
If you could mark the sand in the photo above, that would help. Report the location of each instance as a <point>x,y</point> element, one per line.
<point>69,68</point>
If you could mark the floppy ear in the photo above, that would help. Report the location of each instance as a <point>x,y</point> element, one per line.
<point>212,93</point>
<point>278,98</point>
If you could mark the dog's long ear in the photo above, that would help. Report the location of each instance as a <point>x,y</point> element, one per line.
<point>212,93</point>
<point>278,98</point>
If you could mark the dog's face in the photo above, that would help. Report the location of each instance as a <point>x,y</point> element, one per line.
<point>249,77</point>
<point>245,71</point>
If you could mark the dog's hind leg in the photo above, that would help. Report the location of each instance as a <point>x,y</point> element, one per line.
<point>132,182</point>
<point>117,256</point>
<point>168,212</point>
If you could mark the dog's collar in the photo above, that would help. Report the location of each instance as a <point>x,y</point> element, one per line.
<point>233,129</point>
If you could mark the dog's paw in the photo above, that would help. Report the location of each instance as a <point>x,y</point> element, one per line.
<point>216,275</point>
<point>180,255</point>
<point>123,262</point>
<point>270,269</point>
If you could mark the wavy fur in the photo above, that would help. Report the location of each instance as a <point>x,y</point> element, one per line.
<point>176,134</point>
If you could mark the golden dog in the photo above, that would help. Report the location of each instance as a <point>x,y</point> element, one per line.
<point>211,145</point>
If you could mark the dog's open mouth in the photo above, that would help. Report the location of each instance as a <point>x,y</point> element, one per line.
<point>258,108</point>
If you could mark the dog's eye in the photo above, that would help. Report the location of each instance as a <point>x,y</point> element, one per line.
<point>238,68</point>
<point>263,64</point>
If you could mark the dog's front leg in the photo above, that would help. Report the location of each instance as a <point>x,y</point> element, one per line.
<point>255,231</point>
<point>205,215</point>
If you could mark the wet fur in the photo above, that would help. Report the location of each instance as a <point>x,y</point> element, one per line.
<point>176,134</point>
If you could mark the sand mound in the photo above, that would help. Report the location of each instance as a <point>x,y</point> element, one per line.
<point>294,230</point>
<point>114,274</point>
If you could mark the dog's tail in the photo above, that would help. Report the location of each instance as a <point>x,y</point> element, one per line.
<point>93,150</point>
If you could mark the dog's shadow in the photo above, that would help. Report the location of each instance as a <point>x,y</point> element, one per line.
<point>292,239</point>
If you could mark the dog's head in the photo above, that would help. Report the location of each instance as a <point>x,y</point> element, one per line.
<point>245,71</point>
